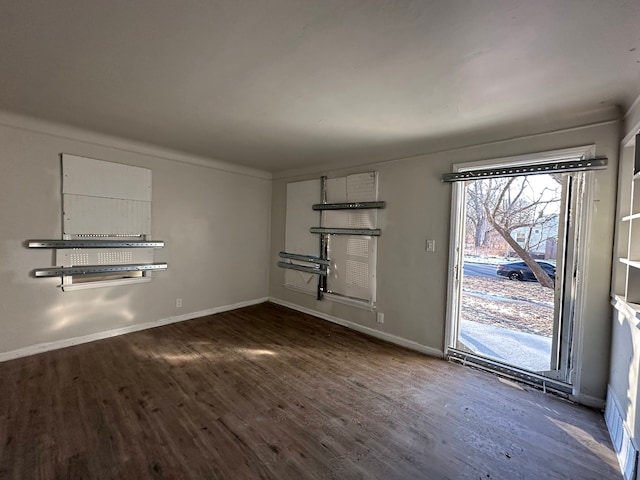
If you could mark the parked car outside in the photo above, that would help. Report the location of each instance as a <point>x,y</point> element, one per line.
<point>521,271</point>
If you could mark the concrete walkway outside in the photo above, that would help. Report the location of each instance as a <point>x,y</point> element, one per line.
<point>523,350</point>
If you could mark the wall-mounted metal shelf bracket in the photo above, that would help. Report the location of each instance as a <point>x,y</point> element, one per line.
<point>370,232</point>
<point>302,268</point>
<point>63,244</point>
<point>349,206</point>
<point>535,169</point>
<point>98,269</point>
<point>304,258</point>
<point>321,263</point>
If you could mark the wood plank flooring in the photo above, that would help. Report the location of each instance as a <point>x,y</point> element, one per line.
<point>266,392</point>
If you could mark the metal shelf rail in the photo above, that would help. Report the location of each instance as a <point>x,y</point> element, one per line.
<point>95,243</point>
<point>320,263</point>
<point>98,269</point>
<point>83,270</point>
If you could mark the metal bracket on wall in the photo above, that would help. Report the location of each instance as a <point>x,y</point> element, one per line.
<point>349,206</point>
<point>315,270</point>
<point>64,244</point>
<point>319,267</point>
<point>321,262</point>
<point>98,269</point>
<point>371,232</point>
<point>304,258</point>
<point>636,159</point>
<point>324,240</point>
<point>598,163</point>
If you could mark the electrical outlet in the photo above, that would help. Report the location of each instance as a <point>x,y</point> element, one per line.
<point>431,245</point>
<point>380,317</point>
<point>178,302</point>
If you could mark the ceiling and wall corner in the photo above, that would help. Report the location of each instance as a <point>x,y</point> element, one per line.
<point>303,82</point>
<point>24,123</point>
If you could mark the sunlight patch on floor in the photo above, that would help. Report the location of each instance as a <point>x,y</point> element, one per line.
<point>586,440</point>
<point>255,352</point>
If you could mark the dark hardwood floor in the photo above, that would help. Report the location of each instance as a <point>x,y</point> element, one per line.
<point>266,392</point>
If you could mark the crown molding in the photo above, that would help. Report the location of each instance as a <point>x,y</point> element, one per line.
<point>58,130</point>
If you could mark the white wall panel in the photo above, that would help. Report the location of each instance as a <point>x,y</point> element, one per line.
<point>97,178</point>
<point>300,218</point>
<point>350,218</point>
<point>353,258</point>
<point>353,262</point>
<point>103,256</point>
<point>336,190</point>
<point>362,187</point>
<point>105,216</point>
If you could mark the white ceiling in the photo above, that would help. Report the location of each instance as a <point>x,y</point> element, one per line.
<point>278,84</point>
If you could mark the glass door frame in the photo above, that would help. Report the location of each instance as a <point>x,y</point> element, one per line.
<point>566,354</point>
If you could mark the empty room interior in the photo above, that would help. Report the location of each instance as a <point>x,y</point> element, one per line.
<point>305,239</point>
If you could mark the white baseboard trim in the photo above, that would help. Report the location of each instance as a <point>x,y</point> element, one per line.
<point>588,401</point>
<point>623,443</point>
<point>403,342</point>
<point>46,347</point>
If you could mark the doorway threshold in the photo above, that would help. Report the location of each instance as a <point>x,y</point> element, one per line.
<point>504,370</point>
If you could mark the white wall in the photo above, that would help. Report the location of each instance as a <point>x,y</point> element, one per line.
<point>214,218</point>
<point>624,373</point>
<point>218,222</point>
<point>412,284</point>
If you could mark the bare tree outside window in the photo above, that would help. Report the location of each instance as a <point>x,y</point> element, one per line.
<point>518,215</point>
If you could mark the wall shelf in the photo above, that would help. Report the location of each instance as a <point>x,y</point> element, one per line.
<point>626,272</point>
<point>95,244</point>
<point>631,263</point>
<point>631,310</point>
